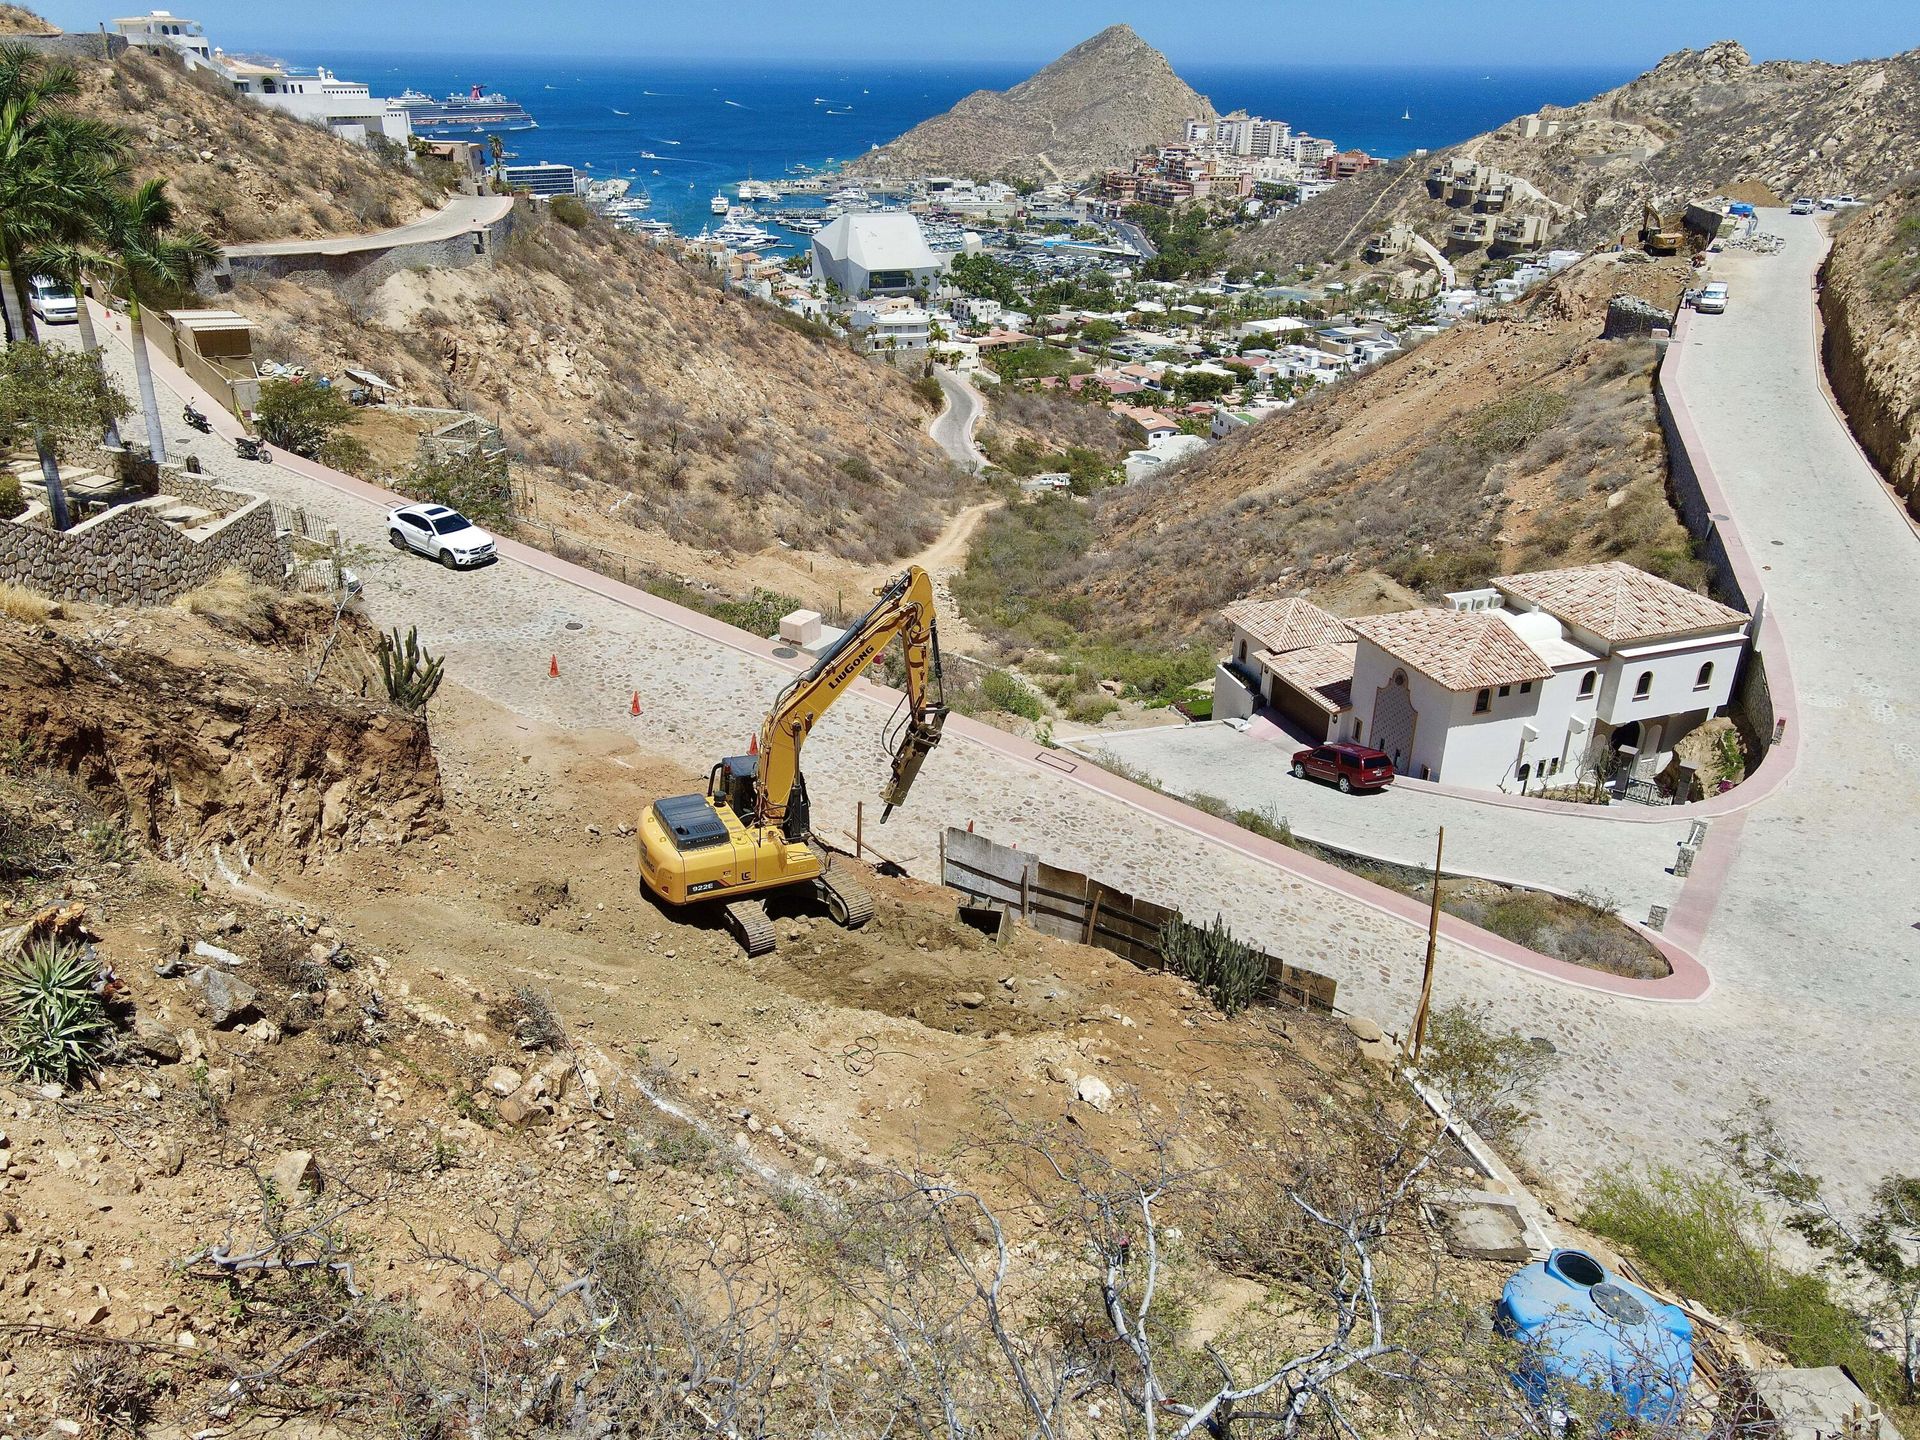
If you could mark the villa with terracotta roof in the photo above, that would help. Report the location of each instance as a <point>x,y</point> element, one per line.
<point>1533,682</point>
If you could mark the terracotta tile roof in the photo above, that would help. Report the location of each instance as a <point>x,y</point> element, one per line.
<point>1286,624</point>
<point>1458,649</point>
<point>1618,603</point>
<point>1321,673</point>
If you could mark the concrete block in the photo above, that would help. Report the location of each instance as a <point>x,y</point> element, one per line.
<point>802,627</point>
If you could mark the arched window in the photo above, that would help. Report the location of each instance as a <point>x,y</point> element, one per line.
<point>1705,677</point>
<point>1587,682</point>
<point>1643,687</point>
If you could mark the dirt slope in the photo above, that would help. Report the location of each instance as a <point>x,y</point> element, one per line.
<point>1700,123</point>
<point>436,1029</point>
<point>1516,442</point>
<point>1099,104</point>
<point>238,170</point>
<point>1870,301</point>
<point>663,402</point>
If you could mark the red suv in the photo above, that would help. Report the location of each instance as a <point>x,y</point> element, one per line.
<point>1351,767</point>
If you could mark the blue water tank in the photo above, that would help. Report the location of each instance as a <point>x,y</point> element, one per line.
<point>1582,1325</point>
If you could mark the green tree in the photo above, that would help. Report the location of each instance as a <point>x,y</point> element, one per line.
<point>475,483</point>
<point>301,416</point>
<point>985,278</point>
<point>55,399</point>
<point>55,167</point>
<point>150,260</point>
<point>1877,1244</point>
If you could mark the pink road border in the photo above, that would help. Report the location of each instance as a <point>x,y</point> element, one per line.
<point>1689,981</point>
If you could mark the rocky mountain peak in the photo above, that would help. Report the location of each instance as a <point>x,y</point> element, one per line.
<point>1099,104</point>
<point>1720,59</point>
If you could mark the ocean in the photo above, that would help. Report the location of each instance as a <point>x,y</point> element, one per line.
<point>685,129</point>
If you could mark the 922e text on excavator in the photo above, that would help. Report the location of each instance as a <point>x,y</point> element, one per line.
<point>750,834</point>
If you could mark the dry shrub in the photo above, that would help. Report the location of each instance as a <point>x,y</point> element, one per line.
<point>24,604</point>
<point>234,603</point>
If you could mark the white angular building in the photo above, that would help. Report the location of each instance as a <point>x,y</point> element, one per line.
<point>883,253</point>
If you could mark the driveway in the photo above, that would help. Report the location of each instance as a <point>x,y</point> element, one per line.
<point>952,430</point>
<point>1816,995</point>
<point>459,216</point>
<point>1630,864</point>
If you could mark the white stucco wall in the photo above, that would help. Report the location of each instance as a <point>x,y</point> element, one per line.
<point>1675,667</point>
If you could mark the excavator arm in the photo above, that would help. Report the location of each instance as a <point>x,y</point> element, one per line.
<point>904,610</point>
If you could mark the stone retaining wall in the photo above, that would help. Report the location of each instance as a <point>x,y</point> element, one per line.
<point>130,556</point>
<point>84,45</point>
<point>1751,708</point>
<point>359,271</point>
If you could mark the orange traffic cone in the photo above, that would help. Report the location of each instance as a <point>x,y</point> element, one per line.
<point>553,666</point>
<point>753,745</point>
<point>636,702</point>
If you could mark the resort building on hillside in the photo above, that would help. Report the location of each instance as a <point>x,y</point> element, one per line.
<point>162,30</point>
<point>1533,682</point>
<point>896,327</point>
<point>885,253</point>
<point>319,97</point>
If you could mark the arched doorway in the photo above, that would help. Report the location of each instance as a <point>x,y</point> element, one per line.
<point>1395,720</point>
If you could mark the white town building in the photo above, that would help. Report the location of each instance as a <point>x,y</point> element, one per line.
<point>893,327</point>
<point>319,97</point>
<point>885,253</point>
<point>1534,682</point>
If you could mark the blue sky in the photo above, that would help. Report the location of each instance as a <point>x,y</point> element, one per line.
<point>1497,32</point>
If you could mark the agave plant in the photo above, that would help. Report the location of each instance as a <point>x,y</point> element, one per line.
<point>410,674</point>
<point>52,1024</point>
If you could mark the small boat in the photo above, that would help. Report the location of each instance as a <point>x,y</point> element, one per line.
<point>719,204</point>
<point>648,155</point>
<point>620,112</point>
<point>1406,114</point>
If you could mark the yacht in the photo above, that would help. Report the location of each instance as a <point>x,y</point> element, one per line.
<point>852,195</point>
<point>719,204</point>
<point>757,190</point>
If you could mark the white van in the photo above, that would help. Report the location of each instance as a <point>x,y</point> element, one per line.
<point>1712,299</point>
<point>52,302</point>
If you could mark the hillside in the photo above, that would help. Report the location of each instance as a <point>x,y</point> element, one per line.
<point>441,1127</point>
<point>1516,442</point>
<point>653,414</point>
<point>240,171</point>
<point>1099,104</point>
<point>1871,304</point>
<point>643,391</point>
<point>1700,123</point>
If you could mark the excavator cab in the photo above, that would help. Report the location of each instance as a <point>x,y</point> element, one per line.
<point>735,782</point>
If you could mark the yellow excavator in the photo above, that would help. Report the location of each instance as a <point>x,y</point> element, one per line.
<point>1657,237</point>
<point>750,834</point>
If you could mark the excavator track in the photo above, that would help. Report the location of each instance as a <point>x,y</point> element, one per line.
<point>748,921</point>
<point>848,901</point>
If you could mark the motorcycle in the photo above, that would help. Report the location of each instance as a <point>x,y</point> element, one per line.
<point>248,448</point>
<point>197,420</point>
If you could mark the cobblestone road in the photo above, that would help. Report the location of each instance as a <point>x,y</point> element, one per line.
<point>1816,996</point>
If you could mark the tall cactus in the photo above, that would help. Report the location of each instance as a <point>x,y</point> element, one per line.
<point>1231,971</point>
<point>410,674</point>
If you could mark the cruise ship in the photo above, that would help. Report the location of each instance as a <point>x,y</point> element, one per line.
<point>464,114</point>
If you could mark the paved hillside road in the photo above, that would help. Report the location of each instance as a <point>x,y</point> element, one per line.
<point>952,429</point>
<point>459,216</point>
<point>1815,964</point>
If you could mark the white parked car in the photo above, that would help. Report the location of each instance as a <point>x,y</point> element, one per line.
<point>1802,206</point>
<point>1712,299</point>
<point>440,534</point>
<point>1840,202</point>
<point>52,302</point>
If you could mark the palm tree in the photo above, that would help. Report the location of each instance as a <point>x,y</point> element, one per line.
<point>54,166</point>
<point>150,258</point>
